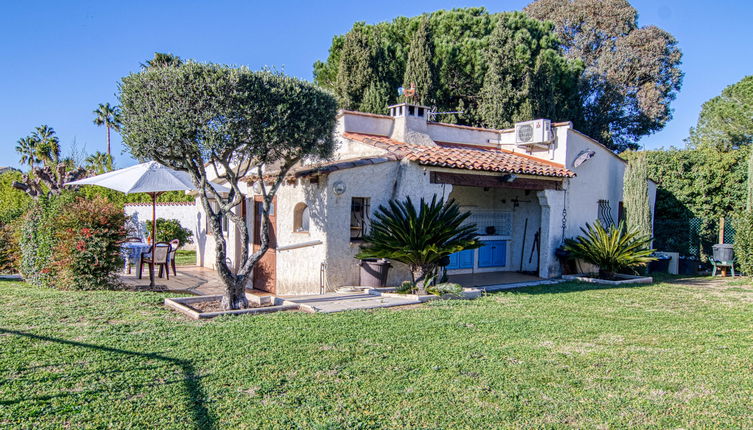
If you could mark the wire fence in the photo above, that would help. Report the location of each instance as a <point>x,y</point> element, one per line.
<point>691,237</point>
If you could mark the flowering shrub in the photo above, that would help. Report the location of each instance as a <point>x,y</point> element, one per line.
<point>87,254</point>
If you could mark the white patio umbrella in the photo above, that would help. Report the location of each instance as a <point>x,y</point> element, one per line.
<point>151,178</point>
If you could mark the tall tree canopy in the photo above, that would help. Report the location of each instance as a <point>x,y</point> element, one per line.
<point>631,74</point>
<point>220,122</point>
<point>726,121</point>
<point>526,77</point>
<point>628,78</point>
<point>419,70</point>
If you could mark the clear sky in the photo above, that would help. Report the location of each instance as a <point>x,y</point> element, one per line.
<point>59,59</point>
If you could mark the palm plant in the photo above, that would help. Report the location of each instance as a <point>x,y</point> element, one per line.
<point>27,147</point>
<point>109,116</point>
<point>162,59</point>
<point>419,237</point>
<point>48,145</point>
<point>614,249</point>
<point>99,162</point>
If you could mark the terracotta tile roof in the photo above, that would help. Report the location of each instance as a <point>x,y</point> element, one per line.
<point>468,157</point>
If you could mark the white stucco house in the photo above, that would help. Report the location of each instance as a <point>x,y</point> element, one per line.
<point>527,188</point>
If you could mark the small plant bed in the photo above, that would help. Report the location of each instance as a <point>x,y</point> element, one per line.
<point>618,279</point>
<point>205,307</point>
<point>440,291</point>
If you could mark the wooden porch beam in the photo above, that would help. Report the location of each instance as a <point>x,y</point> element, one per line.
<point>493,181</point>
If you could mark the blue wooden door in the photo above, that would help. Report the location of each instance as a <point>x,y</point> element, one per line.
<point>492,254</point>
<point>461,260</point>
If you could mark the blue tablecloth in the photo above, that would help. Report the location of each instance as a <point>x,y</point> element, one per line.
<point>131,251</point>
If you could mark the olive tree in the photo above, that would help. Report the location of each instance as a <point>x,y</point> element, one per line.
<point>222,123</point>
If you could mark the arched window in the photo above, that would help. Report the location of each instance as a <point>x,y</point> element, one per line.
<point>301,219</point>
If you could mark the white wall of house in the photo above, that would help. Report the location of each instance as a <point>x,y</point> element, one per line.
<point>184,212</point>
<point>299,268</point>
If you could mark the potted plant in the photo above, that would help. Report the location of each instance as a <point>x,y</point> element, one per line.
<point>420,236</point>
<point>614,250</point>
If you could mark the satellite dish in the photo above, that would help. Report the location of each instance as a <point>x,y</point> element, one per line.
<point>583,156</point>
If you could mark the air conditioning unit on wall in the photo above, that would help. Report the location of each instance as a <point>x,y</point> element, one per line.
<point>534,135</point>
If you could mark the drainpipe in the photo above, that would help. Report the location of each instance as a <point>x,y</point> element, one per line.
<point>322,272</point>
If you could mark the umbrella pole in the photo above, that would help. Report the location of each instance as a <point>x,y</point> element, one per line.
<point>154,238</point>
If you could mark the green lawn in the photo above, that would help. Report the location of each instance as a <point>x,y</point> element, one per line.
<point>572,355</point>
<point>185,258</point>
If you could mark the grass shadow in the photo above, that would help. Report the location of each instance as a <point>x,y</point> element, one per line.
<point>568,287</point>
<point>202,417</point>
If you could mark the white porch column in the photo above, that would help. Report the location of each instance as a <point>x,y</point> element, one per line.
<point>552,202</point>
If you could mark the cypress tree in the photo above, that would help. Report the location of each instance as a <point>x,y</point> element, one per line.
<point>498,94</point>
<point>376,98</point>
<point>635,195</point>
<point>356,69</point>
<point>749,200</point>
<point>420,67</point>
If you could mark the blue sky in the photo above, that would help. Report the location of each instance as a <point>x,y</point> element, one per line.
<point>61,58</point>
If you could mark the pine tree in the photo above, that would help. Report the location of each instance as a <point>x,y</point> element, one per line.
<point>635,195</point>
<point>420,67</point>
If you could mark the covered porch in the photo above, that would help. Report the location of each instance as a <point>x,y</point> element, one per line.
<point>515,222</point>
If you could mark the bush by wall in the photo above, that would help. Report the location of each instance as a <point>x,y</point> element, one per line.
<point>169,229</point>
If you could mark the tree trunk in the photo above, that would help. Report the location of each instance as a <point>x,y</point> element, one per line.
<point>422,277</point>
<point>108,140</point>
<point>235,296</point>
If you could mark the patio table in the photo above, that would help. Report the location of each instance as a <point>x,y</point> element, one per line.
<point>132,251</point>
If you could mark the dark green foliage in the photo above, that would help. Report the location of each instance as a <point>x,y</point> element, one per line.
<point>419,236</point>
<point>614,80</point>
<point>743,223</point>
<point>162,59</point>
<point>376,98</point>
<point>635,195</point>
<point>419,69</point>
<point>169,229</point>
<point>526,77</point>
<point>86,255</point>
<point>614,250</point>
<point>459,39</point>
<point>358,67</point>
